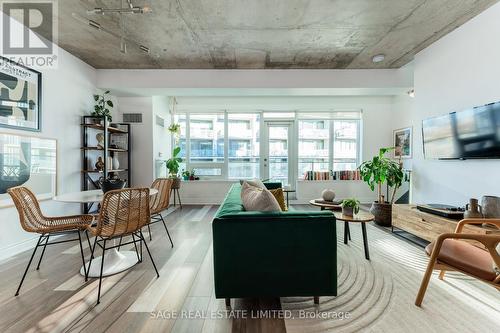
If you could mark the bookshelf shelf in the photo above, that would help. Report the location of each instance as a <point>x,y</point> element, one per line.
<point>94,148</point>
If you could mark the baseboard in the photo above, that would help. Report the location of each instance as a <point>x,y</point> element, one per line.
<point>14,249</point>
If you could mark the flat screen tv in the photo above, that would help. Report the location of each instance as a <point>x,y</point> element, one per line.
<point>467,134</point>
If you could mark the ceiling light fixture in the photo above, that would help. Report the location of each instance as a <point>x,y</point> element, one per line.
<point>130,9</point>
<point>378,58</point>
<point>124,41</point>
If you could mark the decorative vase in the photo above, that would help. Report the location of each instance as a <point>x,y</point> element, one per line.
<point>99,165</point>
<point>382,213</point>
<point>348,211</point>
<point>328,195</point>
<point>491,206</point>
<point>473,209</point>
<point>116,163</point>
<point>100,140</point>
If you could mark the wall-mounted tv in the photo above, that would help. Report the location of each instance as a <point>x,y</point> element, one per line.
<point>467,134</point>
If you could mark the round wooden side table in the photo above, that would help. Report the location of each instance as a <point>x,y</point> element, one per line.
<point>361,217</point>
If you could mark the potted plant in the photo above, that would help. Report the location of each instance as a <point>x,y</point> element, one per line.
<point>192,176</point>
<point>173,167</point>
<point>173,163</point>
<point>185,174</point>
<point>101,106</point>
<point>350,207</point>
<point>379,170</point>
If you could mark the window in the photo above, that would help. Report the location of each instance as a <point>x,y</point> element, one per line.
<point>206,133</point>
<point>182,121</point>
<point>226,145</point>
<point>328,145</point>
<point>345,146</point>
<point>314,138</point>
<point>243,145</point>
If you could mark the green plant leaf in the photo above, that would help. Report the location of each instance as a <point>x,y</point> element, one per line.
<point>96,98</point>
<point>106,92</point>
<point>177,150</point>
<point>110,103</point>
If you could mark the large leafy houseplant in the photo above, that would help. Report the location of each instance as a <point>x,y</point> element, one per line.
<point>173,163</point>
<point>381,169</point>
<point>101,106</point>
<point>378,171</point>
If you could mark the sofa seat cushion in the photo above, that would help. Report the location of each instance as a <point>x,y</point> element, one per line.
<point>465,257</point>
<point>258,199</point>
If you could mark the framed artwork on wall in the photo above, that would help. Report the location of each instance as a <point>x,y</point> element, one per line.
<point>27,161</point>
<point>403,142</point>
<point>20,96</point>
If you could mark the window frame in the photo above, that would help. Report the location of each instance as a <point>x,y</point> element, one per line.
<point>294,154</point>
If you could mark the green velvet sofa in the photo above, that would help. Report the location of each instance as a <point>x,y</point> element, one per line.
<point>273,254</point>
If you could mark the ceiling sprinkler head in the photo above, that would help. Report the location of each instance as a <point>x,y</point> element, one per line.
<point>411,93</point>
<point>378,58</point>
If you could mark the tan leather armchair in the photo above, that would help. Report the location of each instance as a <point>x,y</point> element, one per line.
<point>449,252</point>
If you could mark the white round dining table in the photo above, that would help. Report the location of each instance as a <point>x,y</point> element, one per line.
<point>114,261</point>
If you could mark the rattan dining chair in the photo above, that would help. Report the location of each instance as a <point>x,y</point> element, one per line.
<point>123,213</point>
<point>33,220</point>
<point>159,202</point>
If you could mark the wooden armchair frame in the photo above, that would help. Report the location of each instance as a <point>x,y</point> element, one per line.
<point>489,241</point>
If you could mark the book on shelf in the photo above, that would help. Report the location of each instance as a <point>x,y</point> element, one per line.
<point>332,175</point>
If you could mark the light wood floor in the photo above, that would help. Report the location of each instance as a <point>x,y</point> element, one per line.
<point>56,298</point>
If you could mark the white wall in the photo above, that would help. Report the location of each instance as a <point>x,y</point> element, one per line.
<point>142,139</point>
<point>460,70</point>
<point>162,142</point>
<point>66,96</point>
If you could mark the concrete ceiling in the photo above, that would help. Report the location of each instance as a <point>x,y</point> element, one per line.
<point>263,33</point>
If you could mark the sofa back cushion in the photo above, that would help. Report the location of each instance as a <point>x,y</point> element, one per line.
<point>258,199</point>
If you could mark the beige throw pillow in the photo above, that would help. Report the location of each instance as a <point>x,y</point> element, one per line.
<point>256,182</point>
<point>258,199</point>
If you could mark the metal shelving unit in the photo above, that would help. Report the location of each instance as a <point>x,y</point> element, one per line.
<point>91,125</point>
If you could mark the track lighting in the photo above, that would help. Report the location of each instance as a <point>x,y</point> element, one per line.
<point>130,9</point>
<point>144,49</point>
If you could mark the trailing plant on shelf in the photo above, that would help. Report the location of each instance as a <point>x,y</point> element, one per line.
<point>101,106</point>
<point>378,171</point>
<point>175,129</point>
<point>350,206</point>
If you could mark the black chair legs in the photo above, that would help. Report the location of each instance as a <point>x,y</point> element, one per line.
<point>149,231</point>
<point>157,218</point>
<point>100,274</point>
<point>43,241</point>
<point>150,256</point>
<point>29,264</point>
<point>43,252</point>
<point>165,225</point>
